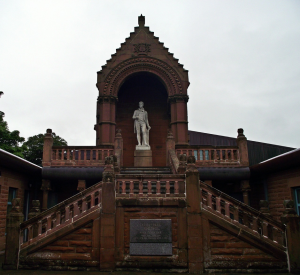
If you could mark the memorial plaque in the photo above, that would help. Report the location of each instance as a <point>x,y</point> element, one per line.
<point>151,237</point>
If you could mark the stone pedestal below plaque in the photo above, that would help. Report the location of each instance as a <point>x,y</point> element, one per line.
<point>142,158</point>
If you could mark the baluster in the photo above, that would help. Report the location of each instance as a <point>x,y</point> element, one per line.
<point>84,205</point>
<point>131,187</point>
<point>21,237</point>
<point>167,187</point>
<point>39,228</point>
<point>79,154</point>
<point>218,204</point>
<point>255,224</point>
<point>84,154</point>
<point>140,188</point>
<point>209,200</point>
<point>176,188</point>
<point>49,220</point>
<point>67,213</point>
<point>58,214</point>
<point>221,154</point>
<point>226,155</point>
<point>215,155</point>
<point>76,209</point>
<point>56,155</point>
<point>235,213</point>
<point>227,210</point>
<point>149,188</point>
<point>92,200</point>
<point>275,234</point>
<point>158,187</point>
<point>123,187</point>
<point>198,154</point>
<point>30,232</point>
<point>68,154</point>
<point>265,229</point>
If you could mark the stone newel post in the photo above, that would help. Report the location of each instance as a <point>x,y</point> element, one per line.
<point>194,220</point>
<point>292,222</point>
<point>107,230</point>
<point>46,187</point>
<point>14,219</point>
<point>243,147</point>
<point>47,149</point>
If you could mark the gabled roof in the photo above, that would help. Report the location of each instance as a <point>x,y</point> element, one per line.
<point>14,162</point>
<point>142,42</point>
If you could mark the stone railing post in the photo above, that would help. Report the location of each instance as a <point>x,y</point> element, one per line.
<point>170,145</point>
<point>292,222</point>
<point>245,188</point>
<point>243,147</point>
<point>34,211</point>
<point>81,185</point>
<point>119,147</point>
<point>14,219</point>
<point>264,207</point>
<point>182,164</point>
<point>47,149</point>
<point>46,187</point>
<point>194,220</point>
<point>107,230</point>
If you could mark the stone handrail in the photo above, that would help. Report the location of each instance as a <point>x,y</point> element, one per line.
<point>212,154</point>
<point>150,186</point>
<point>61,215</point>
<point>80,155</point>
<point>245,216</point>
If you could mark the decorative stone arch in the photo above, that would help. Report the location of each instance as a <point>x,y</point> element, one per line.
<point>162,70</point>
<point>110,86</point>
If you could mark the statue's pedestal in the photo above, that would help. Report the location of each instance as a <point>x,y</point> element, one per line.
<point>142,158</point>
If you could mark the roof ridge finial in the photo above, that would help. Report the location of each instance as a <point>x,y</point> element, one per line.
<point>141,21</point>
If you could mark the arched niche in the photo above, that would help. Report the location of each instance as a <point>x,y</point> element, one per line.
<point>149,88</point>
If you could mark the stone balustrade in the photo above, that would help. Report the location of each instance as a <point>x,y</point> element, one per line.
<point>207,155</point>
<point>150,186</point>
<point>248,218</point>
<point>61,215</point>
<point>79,155</point>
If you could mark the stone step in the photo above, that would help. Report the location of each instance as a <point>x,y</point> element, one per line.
<point>146,170</point>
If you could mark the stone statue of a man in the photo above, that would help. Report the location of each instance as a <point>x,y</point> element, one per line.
<point>141,124</point>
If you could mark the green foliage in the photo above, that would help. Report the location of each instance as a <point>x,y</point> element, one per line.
<point>34,147</point>
<point>10,141</point>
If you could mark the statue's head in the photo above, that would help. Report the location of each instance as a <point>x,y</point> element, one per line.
<point>141,104</point>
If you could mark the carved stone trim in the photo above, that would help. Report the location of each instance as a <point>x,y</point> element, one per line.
<point>142,48</point>
<point>162,69</point>
<point>107,99</point>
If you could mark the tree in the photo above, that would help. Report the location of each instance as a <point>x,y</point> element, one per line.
<point>10,141</point>
<point>34,147</point>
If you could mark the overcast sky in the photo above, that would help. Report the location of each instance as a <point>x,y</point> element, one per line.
<point>243,59</point>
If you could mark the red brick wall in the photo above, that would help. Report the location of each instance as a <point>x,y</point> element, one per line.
<point>149,90</point>
<point>80,241</point>
<point>229,252</point>
<point>280,188</point>
<point>15,180</point>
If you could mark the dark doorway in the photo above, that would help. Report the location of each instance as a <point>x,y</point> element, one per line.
<point>148,88</point>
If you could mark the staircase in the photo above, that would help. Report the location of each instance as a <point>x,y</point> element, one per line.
<point>226,223</point>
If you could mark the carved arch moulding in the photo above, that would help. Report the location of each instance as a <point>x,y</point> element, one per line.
<point>118,75</point>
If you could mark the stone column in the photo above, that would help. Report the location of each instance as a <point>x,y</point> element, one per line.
<point>292,222</point>
<point>46,187</point>
<point>245,188</point>
<point>181,119</point>
<point>194,220</point>
<point>107,230</point>
<point>119,147</point>
<point>81,185</point>
<point>106,121</point>
<point>243,147</point>
<point>13,221</point>
<point>47,149</point>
